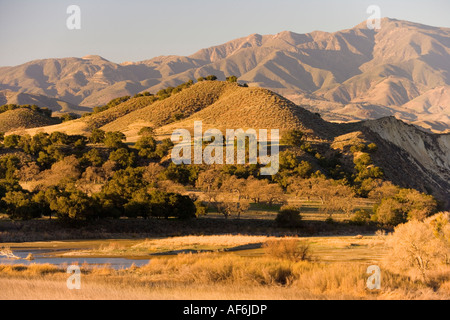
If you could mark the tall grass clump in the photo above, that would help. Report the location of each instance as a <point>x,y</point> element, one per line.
<point>289,249</point>
<point>215,268</point>
<point>31,270</point>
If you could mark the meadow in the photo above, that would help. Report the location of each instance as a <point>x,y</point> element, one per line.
<point>333,268</point>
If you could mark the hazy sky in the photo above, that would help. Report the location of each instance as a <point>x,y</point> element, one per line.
<point>134,30</point>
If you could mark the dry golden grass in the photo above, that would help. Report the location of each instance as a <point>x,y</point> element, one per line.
<point>215,276</point>
<point>84,125</point>
<point>232,275</point>
<point>23,119</point>
<point>328,249</point>
<point>55,289</point>
<point>218,104</point>
<point>290,249</point>
<point>349,139</point>
<point>73,127</point>
<point>222,105</point>
<point>103,118</point>
<point>213,243</point>
<point>27,271</point>
<point>185,102</point>
<point>225,241</point>
<point>252,108</point>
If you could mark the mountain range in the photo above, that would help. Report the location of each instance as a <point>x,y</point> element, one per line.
<point>401,70</point>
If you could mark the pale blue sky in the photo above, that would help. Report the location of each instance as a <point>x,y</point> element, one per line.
<point>134,30</point>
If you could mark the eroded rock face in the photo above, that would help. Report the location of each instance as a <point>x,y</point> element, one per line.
<point>432,151</point>
<point>420,159</point>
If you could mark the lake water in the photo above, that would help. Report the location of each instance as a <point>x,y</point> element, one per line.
<point>40,258</point>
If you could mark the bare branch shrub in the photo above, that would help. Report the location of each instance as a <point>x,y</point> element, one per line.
<point>288,249</point>
<point>420,247</point>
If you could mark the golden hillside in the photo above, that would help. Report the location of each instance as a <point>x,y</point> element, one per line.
<point>182,104</point>
<point>103,118</point>
<point>23,119</point>
<point>222,105</point>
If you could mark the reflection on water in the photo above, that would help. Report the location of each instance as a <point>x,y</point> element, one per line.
<point>114,263</point>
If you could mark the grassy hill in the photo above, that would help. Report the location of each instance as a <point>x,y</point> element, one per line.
<point>24,118</point>
<point>100,119</point>
<point>222,105</point>
<point>178,106</point>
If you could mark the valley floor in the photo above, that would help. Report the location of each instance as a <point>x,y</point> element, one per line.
<point>316,282</point>
<point>336,269</point>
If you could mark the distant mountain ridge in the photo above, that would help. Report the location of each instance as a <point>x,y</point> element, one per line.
<point>402,70</point>
<point>56,105</point>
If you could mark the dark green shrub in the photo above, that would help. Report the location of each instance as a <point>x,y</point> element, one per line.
<point>288,217</point>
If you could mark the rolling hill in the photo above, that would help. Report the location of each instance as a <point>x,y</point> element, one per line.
<point>409,157</point>
<point>223,105</point>
<point>218,104</point>
<point>22,118</point>
<point>401,70</point>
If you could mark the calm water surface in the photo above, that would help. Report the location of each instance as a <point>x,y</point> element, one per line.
<point>41,258</point>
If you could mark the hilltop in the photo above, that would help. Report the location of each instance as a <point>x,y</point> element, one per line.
<point>218,104</point>
<point>223,105</point>
<point>23,118</point>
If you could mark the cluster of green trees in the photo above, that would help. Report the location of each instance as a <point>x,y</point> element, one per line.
<point>366,174</point>
<point>309,173</point>
<point>231,79</point>
<point>82,178</point>
<point>293,138</point>
<point>207,78</point>
<point>46,148</point>
<point>124,191</point>
<point>68,117</point>
<point>109,105</point>
<point>70,204</point>
<point>405,205</point>
<point>166,93</point>
<point>394,205</point>
<point>142,94</point>
<point>288,217</point>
